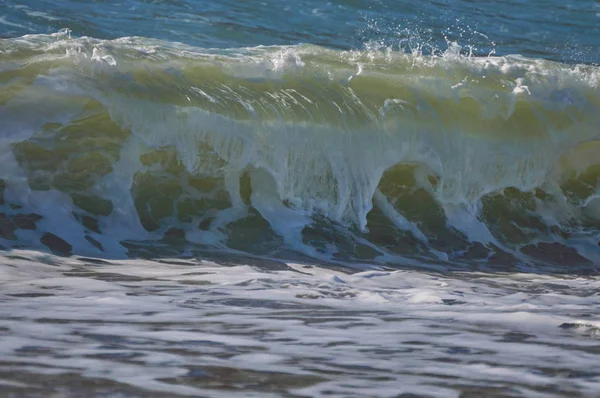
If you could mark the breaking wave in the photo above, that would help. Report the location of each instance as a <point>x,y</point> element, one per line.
<point>141,147</point>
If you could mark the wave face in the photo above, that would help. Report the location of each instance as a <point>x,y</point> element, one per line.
<point>141,147</point>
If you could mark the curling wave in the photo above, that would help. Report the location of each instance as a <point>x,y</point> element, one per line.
<point>133,146</point>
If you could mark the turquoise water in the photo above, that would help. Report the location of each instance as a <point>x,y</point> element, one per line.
<point>344,198</point>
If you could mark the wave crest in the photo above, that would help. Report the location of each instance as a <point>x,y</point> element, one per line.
<point>360,156</point>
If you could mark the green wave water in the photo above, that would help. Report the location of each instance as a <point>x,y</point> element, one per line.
<point>143,147</point>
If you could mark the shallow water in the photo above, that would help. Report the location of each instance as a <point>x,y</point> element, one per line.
<point>79,327</point>
<point>345,198</point>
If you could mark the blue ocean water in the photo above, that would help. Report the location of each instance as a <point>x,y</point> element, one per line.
<point>567,31</point>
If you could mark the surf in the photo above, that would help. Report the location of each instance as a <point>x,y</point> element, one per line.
<point>375,158</point>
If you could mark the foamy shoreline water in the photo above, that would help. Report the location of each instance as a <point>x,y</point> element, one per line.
<point>191,327</point>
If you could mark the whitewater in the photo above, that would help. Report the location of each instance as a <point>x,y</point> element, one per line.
<point>180,218</point>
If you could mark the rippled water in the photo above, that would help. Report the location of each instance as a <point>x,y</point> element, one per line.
<point>261,198</point>
<point>142,328</point>
<point>558,30</point>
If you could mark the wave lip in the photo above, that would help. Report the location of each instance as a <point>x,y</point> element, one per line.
<point>373,157</point>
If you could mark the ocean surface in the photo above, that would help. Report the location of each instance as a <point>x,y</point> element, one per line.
<point>349,198</point>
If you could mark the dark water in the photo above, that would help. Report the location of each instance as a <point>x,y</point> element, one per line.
<point>345,198</point>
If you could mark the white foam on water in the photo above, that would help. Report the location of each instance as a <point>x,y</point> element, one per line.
<point>183,327</point>
<point>4,21</point>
